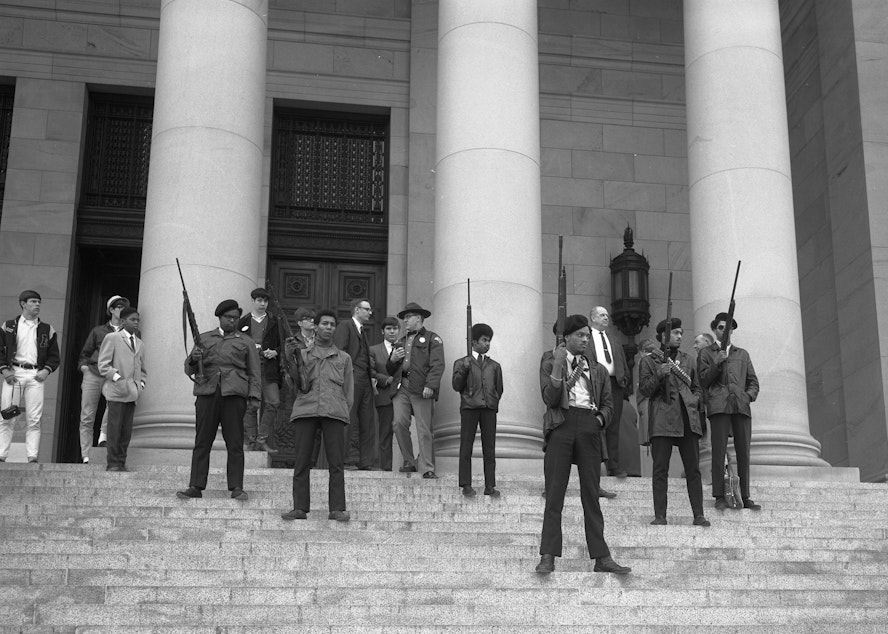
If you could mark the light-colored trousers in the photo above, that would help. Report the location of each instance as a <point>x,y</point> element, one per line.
<point>29,391</point>
<point>404,404</point>
<point>90,393</point>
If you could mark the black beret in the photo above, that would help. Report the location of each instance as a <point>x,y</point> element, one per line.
<point>390,321</point>
<point>226,306</point>
<point>661,327</point>
<point>26,295</point>
<point>574,323</point>
<point>723,317</point>
<point>258,292</point>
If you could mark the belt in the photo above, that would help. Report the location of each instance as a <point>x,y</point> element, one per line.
<point>26,366</point>
<point>582,411</point>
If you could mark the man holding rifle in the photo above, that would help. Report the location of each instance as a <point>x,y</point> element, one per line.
<point>728,378</point>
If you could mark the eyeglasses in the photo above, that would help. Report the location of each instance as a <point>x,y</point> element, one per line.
<point>367,308</point>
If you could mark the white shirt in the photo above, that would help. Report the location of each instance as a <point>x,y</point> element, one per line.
<point>388,346</point>
<point>26,341</point>
<point>579,395</point>
<point>358,325</point>
<point>258,318</point>
<point>599,350</point>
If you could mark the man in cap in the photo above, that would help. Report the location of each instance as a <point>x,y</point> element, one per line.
<point>29,352</point>
<point>420,360</point>
<point>386,385</point>
<point>262,328</point>
<point>730,385</point>
<point>231,378</point>
<point>351,338</point>
<point>670,383</point>
<point>576,392</point>
<point>91,387</point>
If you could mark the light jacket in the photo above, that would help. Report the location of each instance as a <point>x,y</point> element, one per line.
<point>669,396</point>
<point>479,387</point>
<point>326,384</point>
<point>729,387</point>
<point>230,362</point>
<point>557,399</point>
<point>116,357</point>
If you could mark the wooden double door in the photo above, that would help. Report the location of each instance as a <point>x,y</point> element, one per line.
<point>318,285</point>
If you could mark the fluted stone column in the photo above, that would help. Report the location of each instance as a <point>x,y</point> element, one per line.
<point>487,214</point>
<point>741,209</point>
<point>204,192</point>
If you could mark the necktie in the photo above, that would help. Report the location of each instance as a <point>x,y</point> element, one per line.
<point>132,343</point>
<point>480,359</point>
<point>607,354</point>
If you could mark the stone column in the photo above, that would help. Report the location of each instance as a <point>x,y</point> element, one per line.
<point>487,214</point>
<point>742,209</point>
<point>204,192</point>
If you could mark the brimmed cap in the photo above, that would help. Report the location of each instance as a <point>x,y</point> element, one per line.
<point>416,309</point>
<point>116,299</point>
<point>228,305</point>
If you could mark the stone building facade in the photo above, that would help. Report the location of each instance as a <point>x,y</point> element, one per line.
<point>476,134</point>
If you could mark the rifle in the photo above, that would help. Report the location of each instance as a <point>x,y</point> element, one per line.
<point>680,374</point>
<point>562,296</point>
<point>284,333</point>
<point>726,336</point>
<point>668,334</point>
<point>188,313</point>
<point>469,317</point>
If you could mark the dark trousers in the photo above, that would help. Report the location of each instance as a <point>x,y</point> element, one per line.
<point>211,411</point>
<point>120,430</point>
<point>256,428</point>
<point>384,415</point>
<point>577,439</point>
<point>720,425</point>
<point>612,432</point>
<point>470,419</point>
<point>661,452</point>
<point>361,432</point>
<point>334,445</point>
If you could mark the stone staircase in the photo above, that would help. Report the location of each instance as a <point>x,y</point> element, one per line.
<point>82,550</point>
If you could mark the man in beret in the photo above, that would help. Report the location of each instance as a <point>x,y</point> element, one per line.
<point>419,357</point>
<point>577,395</point>
<point>730,385</point>
<point>91,387</point>
<point>29,352</point>
<point>231,379</point>
<point>262,328</point>
<point>386,384</point>
<point>674,410</point>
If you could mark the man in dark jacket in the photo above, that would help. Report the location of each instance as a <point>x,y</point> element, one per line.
<point>479,381</point>
<point>673,419</point>
<point>262,328</point>
<point>91,388</point>
<point>730,385</point>
<point>386,384</point>
<point>577,396</point>
<point>420,359</point>
<point>29,352</point>
<point>231,378</point>
<point>324,387</point>
<point>351,338</point>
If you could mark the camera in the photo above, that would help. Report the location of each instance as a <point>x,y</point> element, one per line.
<point>10,412</point>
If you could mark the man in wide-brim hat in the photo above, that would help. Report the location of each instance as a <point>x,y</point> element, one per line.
<point>419,356</point>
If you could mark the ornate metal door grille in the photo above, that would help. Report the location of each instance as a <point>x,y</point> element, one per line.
<point>7,95</point>
<point>328,168</point>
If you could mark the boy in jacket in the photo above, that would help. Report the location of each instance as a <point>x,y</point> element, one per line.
<point>479,381</point>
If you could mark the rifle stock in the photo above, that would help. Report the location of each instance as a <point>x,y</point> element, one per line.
<point>469,317</point>
<point>726,335</point>
<point>562,296</point>
<point>188,313</point>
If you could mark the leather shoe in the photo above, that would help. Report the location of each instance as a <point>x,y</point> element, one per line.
<point>295,514</point>
<point>701,521</point>
<point>749,504</point>
<point>468,492</point>
<point>659,520</point>
<point>115,468</point>
<point>239,494</point>
<point>261,445</point>
<point>339,516</point>
<point>720,504</point>
<point>429,475</point>
<point>350,467</point>
<point>606,494</point>
<point>408,468</point>
<point>492,492</point>
<point>189,493</point>
<point>607,564</point>
<point>546,565</point>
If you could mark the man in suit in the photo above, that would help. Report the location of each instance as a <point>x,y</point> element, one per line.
<point>385,385</point>
<point>576,393</point>
<point>420,359</point>
<point>351,338</point>
<point>121,362</point>
<point>231,379</point>
<point>262,328</point>
<point>610,355</point>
